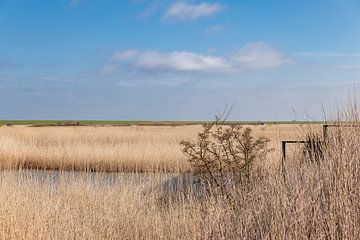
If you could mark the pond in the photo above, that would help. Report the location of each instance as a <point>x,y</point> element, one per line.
<point>166,181</point>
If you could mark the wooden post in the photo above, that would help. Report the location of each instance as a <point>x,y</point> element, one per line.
<point>325,132</point>
<point>283,147</point>
<point>283,170</point>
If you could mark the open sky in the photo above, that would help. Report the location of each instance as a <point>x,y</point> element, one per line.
<point>176,60</point>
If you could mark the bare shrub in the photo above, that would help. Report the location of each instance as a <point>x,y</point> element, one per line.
<point>223,156</point>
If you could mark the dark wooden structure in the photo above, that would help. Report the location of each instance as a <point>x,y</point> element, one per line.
<point>327,126</point>
<point>317,144</point>
<point>283,146</point>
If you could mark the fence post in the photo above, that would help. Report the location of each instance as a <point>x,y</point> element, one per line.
<point>325,132</point>
<point>283,147</point>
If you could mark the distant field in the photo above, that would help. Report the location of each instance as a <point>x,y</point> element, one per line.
<point>91,122</point>
<point>135,122</point>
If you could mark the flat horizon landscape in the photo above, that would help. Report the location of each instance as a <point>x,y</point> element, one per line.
<point>179,119</point>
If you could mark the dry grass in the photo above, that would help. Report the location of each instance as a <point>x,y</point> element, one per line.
<point>94,148</point>
<point>123,149</point>
<point>82,209</point>
<point>303,200</point>
<point>306,200</point>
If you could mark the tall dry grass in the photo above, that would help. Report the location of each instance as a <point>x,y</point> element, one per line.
<point>138,149</point>
<point>302,200</point>
<point>84,209</point>
<point>305,200</point>
<point>130,149</point>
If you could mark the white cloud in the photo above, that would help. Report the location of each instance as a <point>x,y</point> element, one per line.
<point>259,55</point>
<point>253,56</point>
<point>126,55</point>
<point>181,61</point>
<point>183,11</point>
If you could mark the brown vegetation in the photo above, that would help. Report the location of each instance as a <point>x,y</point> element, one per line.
<point>123,149</point>
<point>300,199</point>
<point>311,200</point>
<point>223,157</point>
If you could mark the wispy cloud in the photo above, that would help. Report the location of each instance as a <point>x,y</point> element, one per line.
<point>108,69</point>
<point>350,66</point>
<point>259,55</point>
<point>180,61</point>
<point>184,11</point>
<point>328,54</point>
<point>150,9</point>
<point>253,56</point>
<point>74,2</point>
<point>5,65</point>
<point>214,29</point>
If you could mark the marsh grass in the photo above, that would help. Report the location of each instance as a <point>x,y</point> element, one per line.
<point>301,199</point>
<point>309,200</point>
<point>119,149</point>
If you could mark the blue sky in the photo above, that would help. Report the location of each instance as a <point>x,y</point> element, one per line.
<point>176,60</point>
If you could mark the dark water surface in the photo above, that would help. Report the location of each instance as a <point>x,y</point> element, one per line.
<point>167,181</point>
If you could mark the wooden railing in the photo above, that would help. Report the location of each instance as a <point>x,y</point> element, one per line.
<point>325,129</point>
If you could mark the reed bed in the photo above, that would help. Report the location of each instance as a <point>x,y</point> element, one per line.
<point>301,199</point>
<point>84,209</point>
<point>136,149</point>
<point>120,149</point>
